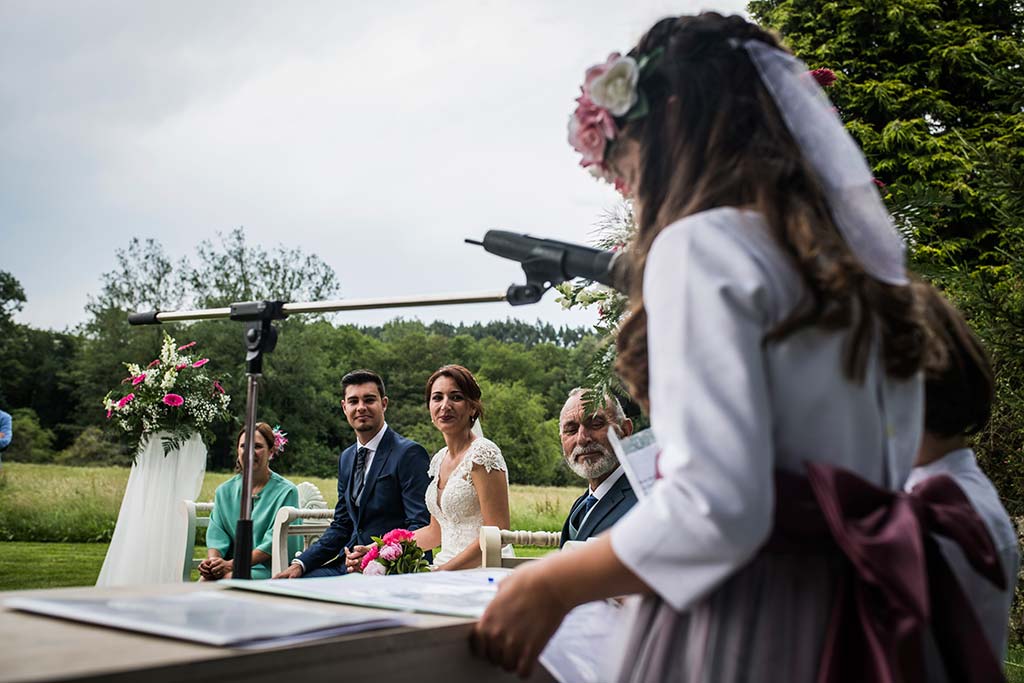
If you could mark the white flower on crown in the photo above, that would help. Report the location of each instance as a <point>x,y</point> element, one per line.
<point>616,89</point>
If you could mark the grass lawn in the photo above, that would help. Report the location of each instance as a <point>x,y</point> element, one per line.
<point>56,521</point>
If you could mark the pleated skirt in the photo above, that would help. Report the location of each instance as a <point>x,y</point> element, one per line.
<point>765,624</point>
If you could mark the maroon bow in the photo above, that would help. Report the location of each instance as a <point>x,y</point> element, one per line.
<point>898,581</point>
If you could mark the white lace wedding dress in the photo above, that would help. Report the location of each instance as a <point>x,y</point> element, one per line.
<point>457,509</point>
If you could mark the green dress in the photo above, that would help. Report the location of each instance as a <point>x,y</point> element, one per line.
<point>227,502</point>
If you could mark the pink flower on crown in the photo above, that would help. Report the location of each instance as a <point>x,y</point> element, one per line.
<point>201,362</point>
<point>825,77</point>
<point>587,133</point>
<point>154,363</point>
<point>369,557</point>
<point>186,346</point>
<point>181,366</point>
<point>391,552</point>
<point>173,400</point>
<point>374,568</point>
<point>397,536</point>
<point>126,400</point>
<point>878,183</point>
<point>138,379</point>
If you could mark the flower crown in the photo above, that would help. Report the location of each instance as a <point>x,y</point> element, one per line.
<point>280,440</point>
<point>611,95</point>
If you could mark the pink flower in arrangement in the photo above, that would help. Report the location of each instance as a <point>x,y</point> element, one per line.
<point>154,363</point>
<point>369,557</point>
<point>397,536</point>
<point>126,400</point>
<point>126,380</point>
<point>878,182</point>
<point>181,366</point>
<point>391,552</point>
<point>138,379</point>
<point>824,77</point>
<point>374,568</point>
<point>173,400</point>
<point>201,362</point>
<point>109,413</point>
<point>186,346</point>
<point>220,389</point>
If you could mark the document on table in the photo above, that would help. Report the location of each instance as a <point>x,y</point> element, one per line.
<point>208,617</point>
<point>638,455</point>
<point>579,650</point>
<point>458,594</point>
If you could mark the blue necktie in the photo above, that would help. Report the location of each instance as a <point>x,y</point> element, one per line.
<point>581,514</point>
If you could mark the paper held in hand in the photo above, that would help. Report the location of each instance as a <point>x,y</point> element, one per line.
<point>638,455</point>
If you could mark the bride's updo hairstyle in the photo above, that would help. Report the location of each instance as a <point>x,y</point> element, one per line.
<point>713,137</point>
<point>466,383</point>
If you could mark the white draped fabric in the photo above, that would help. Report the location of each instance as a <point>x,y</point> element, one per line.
<point>151,526</point>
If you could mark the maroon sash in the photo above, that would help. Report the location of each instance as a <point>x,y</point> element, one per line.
<point>896,581</point>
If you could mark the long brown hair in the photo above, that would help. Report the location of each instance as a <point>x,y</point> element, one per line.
<point>714,137</point>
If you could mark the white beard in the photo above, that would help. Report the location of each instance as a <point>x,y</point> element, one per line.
<point>594,468</point>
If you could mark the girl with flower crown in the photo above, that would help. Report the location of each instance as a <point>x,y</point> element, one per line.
<point>270,493</point>
<point>777,343</point>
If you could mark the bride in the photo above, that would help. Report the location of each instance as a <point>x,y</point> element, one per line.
<point>468,478</point>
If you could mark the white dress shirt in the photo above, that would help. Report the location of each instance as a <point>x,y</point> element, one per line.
<point>371,446</point>
<point>991,605</point>
<point>727,409</point>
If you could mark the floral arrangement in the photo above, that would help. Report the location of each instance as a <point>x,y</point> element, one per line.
<point>173,394</point>
<point>611,95</point>
<point>394,553</point>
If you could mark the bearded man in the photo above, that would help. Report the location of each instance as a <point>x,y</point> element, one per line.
<point>588,453</point>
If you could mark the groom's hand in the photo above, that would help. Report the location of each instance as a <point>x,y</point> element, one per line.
<point>293,572</point>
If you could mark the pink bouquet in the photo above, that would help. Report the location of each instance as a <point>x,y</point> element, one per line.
<point>394,553</point>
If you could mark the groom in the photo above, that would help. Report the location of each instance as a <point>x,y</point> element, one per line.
<point>382,481</point>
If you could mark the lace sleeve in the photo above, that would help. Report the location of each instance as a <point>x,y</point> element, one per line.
<point>486,453</point>
<point>435,464</point>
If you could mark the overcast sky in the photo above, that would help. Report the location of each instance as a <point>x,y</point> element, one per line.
<point>376,135</point>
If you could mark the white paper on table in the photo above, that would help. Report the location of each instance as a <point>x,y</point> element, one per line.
<point>459,594</point>
<point>579,650</point>
<point>208,617</point>
<point>638,455</point>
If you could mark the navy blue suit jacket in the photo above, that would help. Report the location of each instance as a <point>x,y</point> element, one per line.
<point>394,497</point>
<point>610,509</point>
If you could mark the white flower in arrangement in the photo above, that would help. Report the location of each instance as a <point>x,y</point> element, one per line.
<point>174,393</point>
<point>616,89</point>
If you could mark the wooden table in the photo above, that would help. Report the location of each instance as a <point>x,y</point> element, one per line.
<point>37,648</point>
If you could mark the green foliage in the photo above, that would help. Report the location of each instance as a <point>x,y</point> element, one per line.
<point>31,442</point>
<point>514,418</point>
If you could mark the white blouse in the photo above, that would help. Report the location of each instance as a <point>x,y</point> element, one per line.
<point>727,410</point>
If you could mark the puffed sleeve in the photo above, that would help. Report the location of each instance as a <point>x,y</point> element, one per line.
<point>708,303</point>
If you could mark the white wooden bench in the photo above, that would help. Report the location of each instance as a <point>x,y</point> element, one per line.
<point>312,507</point>
<point>493,539</point>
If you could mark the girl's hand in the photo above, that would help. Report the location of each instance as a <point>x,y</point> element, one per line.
<point>520,621</point>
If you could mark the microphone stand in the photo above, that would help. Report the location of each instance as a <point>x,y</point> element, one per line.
<point>260,339</point>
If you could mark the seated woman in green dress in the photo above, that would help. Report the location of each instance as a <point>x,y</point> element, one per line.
<point>270,492</point>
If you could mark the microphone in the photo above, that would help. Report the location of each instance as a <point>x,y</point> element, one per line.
<point>549,262</point>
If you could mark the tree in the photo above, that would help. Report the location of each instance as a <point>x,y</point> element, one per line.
<point>237,271</point>
<point>12,297</point>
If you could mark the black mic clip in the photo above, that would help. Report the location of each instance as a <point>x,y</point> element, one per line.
<point>543,271</point>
